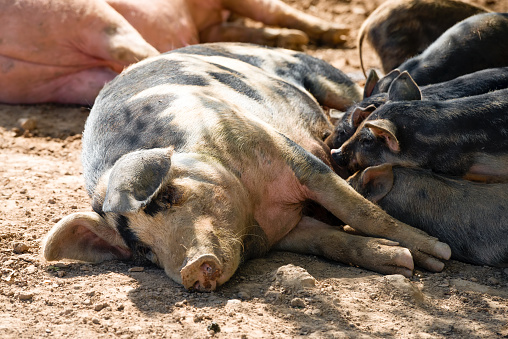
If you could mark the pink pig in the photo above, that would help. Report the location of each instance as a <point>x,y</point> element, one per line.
<point>65,51</point>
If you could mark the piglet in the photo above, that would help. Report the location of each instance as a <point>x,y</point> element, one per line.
<point>470,217</point>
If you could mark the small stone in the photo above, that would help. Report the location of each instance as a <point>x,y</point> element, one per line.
<point>493,281</point>
<point>51,201</point>
<point>99,307</point>
<point>17,131</point>
<point>136,269</point>
<point>60,274</point>
<point>298,302</point>
<point>31,269</point>
<point>243,295</point>
<point>96,321</point>
<point>87,302</point>
<point>20,248</point>
<point>28,124</point>
<point>233,302</point>
<point>181,303</point>
<point>213,327</point>
<point>85,268</point>
<point>25,296</point>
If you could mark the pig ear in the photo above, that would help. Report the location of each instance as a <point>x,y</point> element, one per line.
<point>370,83</point>
<point>383,128</point>
<point>377,181</point>
<point>384,83</point>
<point>85,237</point>
<point>360,114</point>
<point>404,88</point>
<point>135,179</point>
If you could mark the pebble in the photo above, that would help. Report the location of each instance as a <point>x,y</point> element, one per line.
<point>243,295</point>
<point>96,321</point>
<point>493,281</point>
<point>136,269</point>
<point>294,278</point>
<point>60,274</point>
<point>28,124</point>
<point>99,307</point>
<point>298,302</point>
<point>31,269</point>
<point>403,285</point>
<point>19,248</point>
<point>25,296</point>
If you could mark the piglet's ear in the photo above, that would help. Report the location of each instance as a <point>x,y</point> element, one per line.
<point>376,181</point>
<point>383,128</point>
<point>85,237</point>
<point>136,178</point>
<point>360,114</point>
<point>384,83</point>
<point>404,88</point>
<point>370,83</point>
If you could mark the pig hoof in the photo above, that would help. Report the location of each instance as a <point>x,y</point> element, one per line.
<point>443,251</point>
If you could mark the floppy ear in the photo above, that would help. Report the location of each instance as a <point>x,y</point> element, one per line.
<point>360,114</point>
<point>385,129</point>
<point>370,83</point>
<point>376,182</point>
<point>404,88</point>
<point>85,237</point>
<point>135,179</point>
<point>384,83</point>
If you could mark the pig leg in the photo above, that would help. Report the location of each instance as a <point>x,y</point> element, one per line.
<point>344,202</point>
<point>275,37</point>
<point>277,13</point>
<point>311,236</point>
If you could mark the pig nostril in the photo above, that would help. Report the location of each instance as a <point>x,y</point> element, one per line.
<point>207,268</point>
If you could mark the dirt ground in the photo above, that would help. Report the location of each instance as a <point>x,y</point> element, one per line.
<point>282,295</point>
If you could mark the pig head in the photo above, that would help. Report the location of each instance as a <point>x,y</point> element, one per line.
<point>461,137</point>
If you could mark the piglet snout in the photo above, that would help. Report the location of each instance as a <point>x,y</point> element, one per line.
<point>201,274</point>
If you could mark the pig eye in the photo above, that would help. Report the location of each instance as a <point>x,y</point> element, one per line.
<point>366,141</point>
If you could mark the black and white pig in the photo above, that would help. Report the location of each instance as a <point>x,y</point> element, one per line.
<point>466,137</point>
<point>471,217</point>
<point>207,156</point>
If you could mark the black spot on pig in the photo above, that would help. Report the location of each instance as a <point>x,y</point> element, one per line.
<point>237,84</point>
<point>122,225</point>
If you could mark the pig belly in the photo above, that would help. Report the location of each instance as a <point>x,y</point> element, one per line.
<point>278,204</point>
<point>27,83</point>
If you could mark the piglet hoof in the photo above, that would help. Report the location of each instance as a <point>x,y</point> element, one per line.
<point>201,274</point>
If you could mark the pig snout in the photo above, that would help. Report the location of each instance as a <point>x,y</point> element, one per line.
<point>202,274</point>
<point>343,159</point>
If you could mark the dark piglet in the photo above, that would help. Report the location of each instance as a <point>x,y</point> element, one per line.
<point>462,137</point>
<point>401,29</point>
<point>376,94</point>
<point>471,217</point>
<point>476,43</point>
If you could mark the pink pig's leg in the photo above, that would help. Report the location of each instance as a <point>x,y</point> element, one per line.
<point>381,255</point>
<point>277,13</point>
<point>275,37</point>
